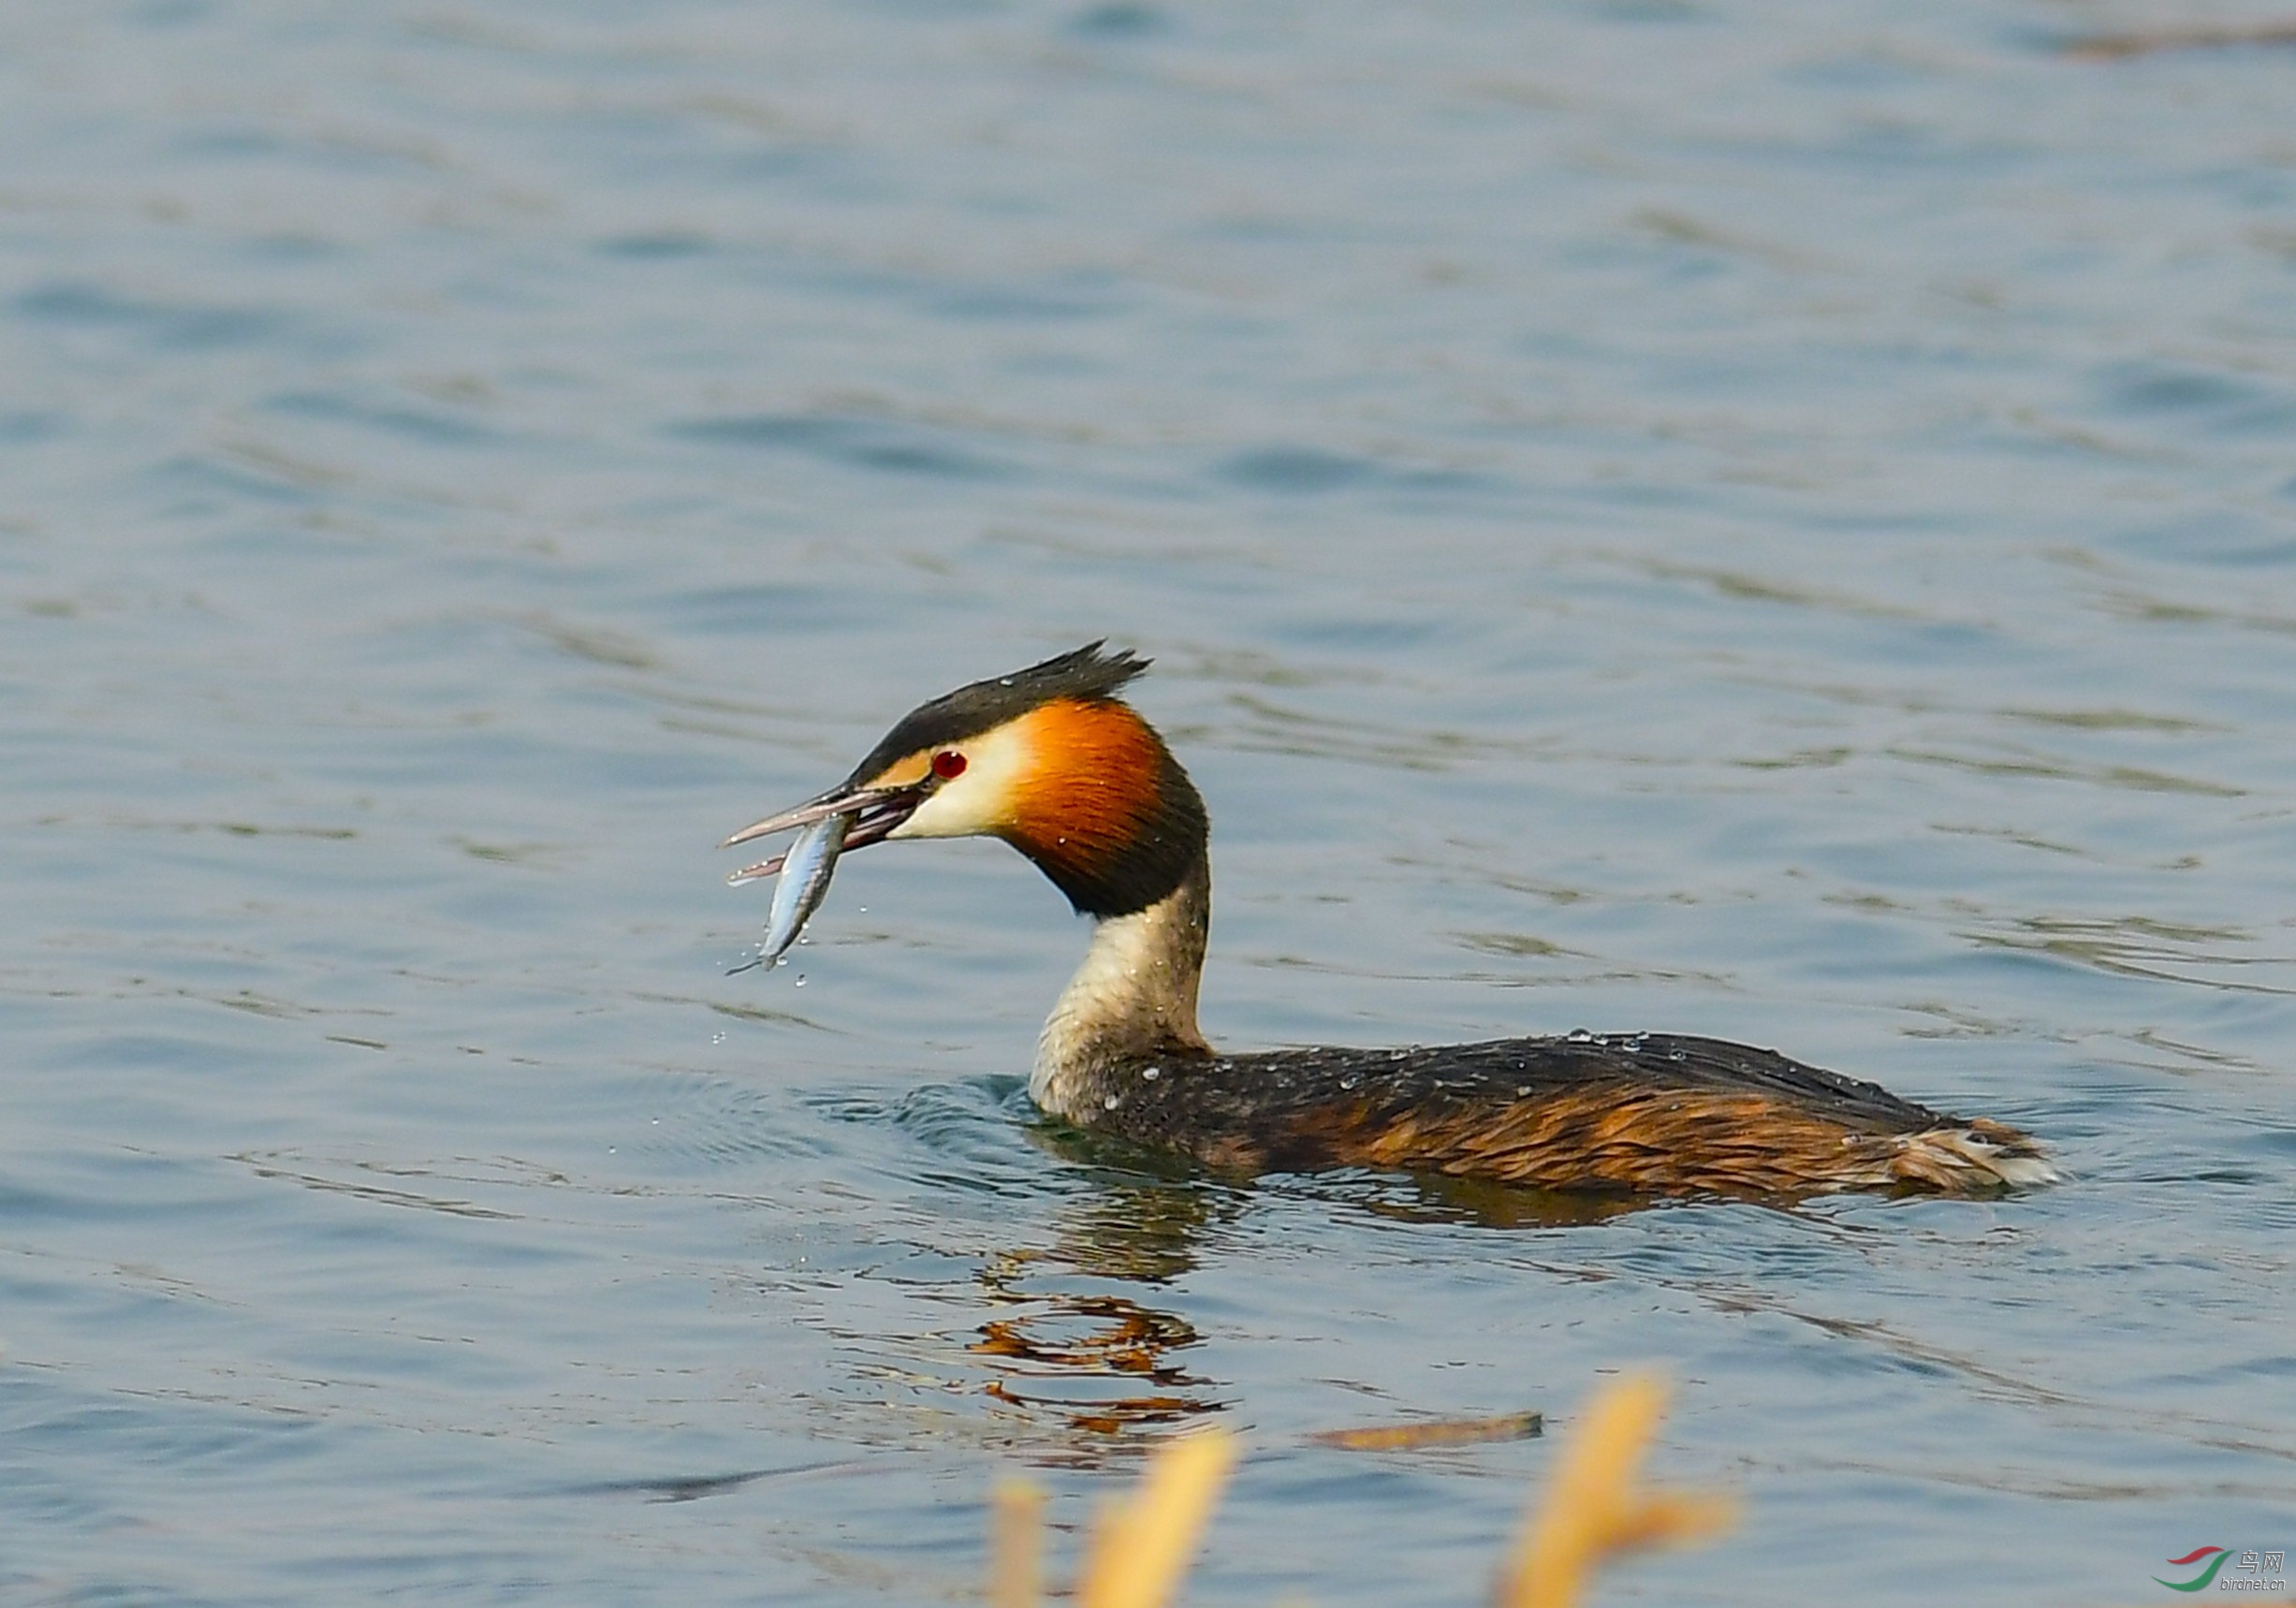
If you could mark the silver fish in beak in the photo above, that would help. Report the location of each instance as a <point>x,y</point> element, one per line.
<point>805,872</point>
<point>845,817</point>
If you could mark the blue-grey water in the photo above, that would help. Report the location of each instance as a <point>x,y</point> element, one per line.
<point>1773,521</point>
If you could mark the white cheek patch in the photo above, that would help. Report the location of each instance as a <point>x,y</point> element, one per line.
<point>979,803</point>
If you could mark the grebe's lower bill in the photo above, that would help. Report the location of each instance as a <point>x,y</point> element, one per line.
<point>1052,761</point>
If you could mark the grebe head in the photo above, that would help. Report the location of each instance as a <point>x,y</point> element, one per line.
<point>1048,758</point>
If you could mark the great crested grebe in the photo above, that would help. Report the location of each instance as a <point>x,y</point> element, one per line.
<point>1053,762</point>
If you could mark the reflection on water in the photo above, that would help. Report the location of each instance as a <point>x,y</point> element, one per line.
<point>1063,1345</point>
<point>1069,1351</point>
<point>1433,1199</point>
<point>2140,947</point>
<point>358,1177</point>
<point>1100,1361</point>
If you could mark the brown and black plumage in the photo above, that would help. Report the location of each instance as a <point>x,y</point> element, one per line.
<point>1051,760</point>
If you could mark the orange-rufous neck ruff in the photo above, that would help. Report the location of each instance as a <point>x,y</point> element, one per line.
<point>1091,792</point>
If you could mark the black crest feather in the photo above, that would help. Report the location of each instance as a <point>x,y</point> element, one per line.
<point>1085,673</point>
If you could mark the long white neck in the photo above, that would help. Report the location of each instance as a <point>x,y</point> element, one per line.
<point>1133,997</point>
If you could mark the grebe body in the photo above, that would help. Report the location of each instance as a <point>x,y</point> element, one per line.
<point>1051,760</point>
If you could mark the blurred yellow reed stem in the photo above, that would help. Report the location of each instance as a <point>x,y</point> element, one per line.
<point>1593,1510</point>
<point>1141,1548</point>
<point>1016,1546</point>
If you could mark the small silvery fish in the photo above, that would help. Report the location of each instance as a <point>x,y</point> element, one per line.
<point>804,879</point>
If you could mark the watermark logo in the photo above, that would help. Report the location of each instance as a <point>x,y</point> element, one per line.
<point>2251,1570</point>
<point>2200,1582</point>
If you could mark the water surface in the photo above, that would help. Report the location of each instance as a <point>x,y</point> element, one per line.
<point>1776,525</point>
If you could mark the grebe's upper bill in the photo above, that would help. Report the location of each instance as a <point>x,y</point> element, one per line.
<point>876,812</point>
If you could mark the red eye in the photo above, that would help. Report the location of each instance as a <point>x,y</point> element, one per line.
<point>948,764</point>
